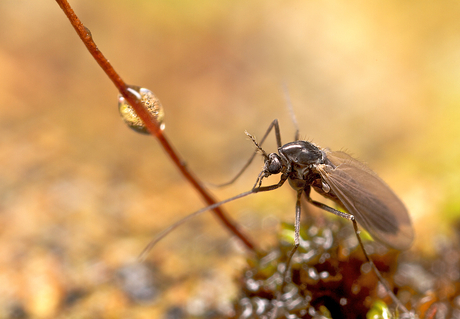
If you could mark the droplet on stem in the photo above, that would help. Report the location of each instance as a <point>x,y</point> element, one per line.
<point>150,101</point>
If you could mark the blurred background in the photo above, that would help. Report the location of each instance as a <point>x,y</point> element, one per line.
<point>81,194</point>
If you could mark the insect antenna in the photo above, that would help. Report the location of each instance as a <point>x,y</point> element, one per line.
<point>273,125</point>
<point>257,145</point>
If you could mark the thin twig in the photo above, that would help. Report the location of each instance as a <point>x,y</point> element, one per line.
<point>150,122</point>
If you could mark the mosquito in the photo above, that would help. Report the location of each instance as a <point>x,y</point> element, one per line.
<point>366,198</point>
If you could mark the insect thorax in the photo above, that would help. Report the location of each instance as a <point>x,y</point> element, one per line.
<point>302,153</point>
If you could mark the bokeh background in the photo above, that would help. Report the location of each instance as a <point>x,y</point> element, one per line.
<point>81,194</point>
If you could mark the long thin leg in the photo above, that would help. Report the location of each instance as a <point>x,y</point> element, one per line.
<point>377,272</point>
<point>202,210</point>
<point>257,188</point>
<point>291,254</point>
<point>330,209</point>
<point>275,125</point>
<point>182,221</point>
<point>369,260</point>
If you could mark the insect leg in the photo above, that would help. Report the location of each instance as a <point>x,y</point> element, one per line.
<point>330,209</point>
<point>369,260</point>
<point>274,125</point>
<point>376,271</point>
<point>291,254</point>
<point>168,230</point>
<point>257,189</point>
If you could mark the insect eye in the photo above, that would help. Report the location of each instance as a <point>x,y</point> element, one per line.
<point>274,163</point>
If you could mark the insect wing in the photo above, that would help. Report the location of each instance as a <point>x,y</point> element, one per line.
<point>369,199</point>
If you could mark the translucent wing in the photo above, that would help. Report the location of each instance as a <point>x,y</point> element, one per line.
<point>369,199</point>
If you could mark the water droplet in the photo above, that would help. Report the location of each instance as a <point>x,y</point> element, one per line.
<point>150,101</point>
<point>262,305</point>
<point>313,274</point>
<point>323,275</point>
<point>252,285</point>
<point>365,268</point>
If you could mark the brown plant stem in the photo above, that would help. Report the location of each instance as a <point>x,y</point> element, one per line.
<point>150,122</point>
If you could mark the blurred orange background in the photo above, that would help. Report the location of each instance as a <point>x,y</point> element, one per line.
<point>81,195</point>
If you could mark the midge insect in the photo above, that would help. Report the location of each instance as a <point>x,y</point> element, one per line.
<point>335,175</point>
<point>343,179</point>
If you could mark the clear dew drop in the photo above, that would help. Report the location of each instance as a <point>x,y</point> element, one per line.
<point>150,101</point>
